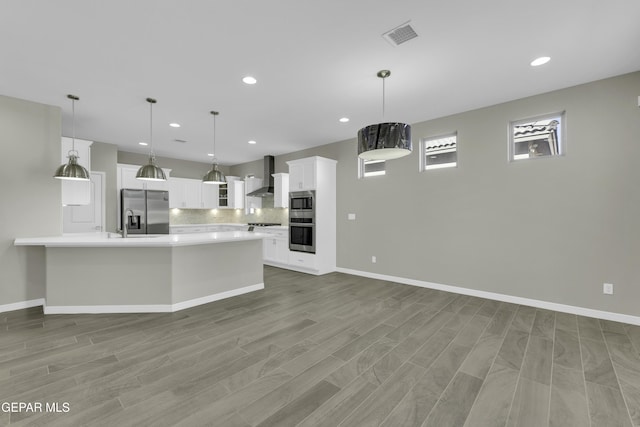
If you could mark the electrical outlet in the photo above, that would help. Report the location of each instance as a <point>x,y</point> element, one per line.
<point>607,288</point>
<point>374,259</point>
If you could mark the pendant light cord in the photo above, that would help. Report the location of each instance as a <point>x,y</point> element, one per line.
<point>151,127</point>
<point>151,101</point>
<point>383,74</point>
<point>73,125</point>
<point>214,137</point>
<point>215,113</point>
<point>73,99</point>
<point>383,91</point>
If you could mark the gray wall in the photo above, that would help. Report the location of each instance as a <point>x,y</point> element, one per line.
<point>31,197</point>
<point>550,229</point>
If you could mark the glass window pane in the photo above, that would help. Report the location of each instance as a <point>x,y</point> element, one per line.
<point>440,152</point>
<point>371,168</point>
<point>537,137</point>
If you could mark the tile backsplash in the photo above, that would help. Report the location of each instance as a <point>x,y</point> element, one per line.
<point>213,216</point>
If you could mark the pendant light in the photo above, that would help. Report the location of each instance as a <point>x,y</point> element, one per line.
<point>384,141</point>
<point>150,171</point>
<point>72,170</point>
<point>214,176</point>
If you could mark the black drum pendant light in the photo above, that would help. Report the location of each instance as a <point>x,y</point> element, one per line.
<point>384,141</point>
<point>72,170</point>
<point>214,176</point>
<point>151,172</point>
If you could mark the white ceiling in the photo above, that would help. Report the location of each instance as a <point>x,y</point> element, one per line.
<point>315,61</point>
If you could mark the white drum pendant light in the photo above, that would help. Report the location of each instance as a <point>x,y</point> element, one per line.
<point>214,176</point>
<point>72,170</point>
<point>384,141</point>
<point>151,172</point>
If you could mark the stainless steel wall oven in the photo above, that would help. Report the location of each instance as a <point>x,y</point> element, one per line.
<point>302,221</point>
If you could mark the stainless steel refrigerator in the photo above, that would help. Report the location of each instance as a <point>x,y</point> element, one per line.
<point>145,211</point>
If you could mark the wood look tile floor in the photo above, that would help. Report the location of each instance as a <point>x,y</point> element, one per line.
<point>335,350</point>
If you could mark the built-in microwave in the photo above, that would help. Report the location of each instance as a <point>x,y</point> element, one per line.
<point>302,200</point>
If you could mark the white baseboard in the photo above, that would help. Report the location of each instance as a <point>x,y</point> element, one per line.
<point>100,309</point>
<point>589,312</point>
<point>21,305</point>
<point>293,268</point>
<point>216,297</point>
<point>150,308</point>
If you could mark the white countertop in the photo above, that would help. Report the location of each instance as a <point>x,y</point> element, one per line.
<point>106,240</point>
<point>234,224</point>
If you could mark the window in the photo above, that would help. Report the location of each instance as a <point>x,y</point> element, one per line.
<point>541,136</point>
<point>367,168</point>
<point>439,152</point>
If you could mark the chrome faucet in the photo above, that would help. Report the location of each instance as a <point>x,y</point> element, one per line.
<point>125,227</point>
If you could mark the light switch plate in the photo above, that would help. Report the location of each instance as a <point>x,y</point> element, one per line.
<point>351,216</point>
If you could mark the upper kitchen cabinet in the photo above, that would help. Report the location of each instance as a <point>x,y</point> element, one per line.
<point>308,173</point>
<point>76,192</point>
<point>210,196</point>
<point>302,174</point>
<point>281,190</point>
<point>235,192</point>
<point>185,193</point>
<point>251,184</point>
<point>127,179</point>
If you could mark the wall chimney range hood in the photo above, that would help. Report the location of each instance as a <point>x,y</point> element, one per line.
<point>267,179</point>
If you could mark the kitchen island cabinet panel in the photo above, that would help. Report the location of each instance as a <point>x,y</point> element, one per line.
<point>148,274</point>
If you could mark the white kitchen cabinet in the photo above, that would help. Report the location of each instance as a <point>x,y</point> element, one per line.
<point>252,202</point>
<point>127,179</point>
<point>281,190</point>
<point>302,174</point>
<point>302,260</point>
<point>235,193</point>
<point>185,193</point>
<point>75,193</point>
<point>318,174</point>
<point>275,247</point>
<point>210,196</point>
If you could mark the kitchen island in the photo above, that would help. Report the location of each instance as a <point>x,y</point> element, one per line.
<point>105,273</point>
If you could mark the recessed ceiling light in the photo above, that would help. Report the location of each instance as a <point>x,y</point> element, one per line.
<point>249,80</point>
<point>252,142</point>
<point>344,119</point>
<point>142,143</point>
<point>210,154</point>
<point>540,61</point>
<point>174,125</point>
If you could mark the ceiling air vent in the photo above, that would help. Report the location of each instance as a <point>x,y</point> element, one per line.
<point>181,141</point>
<point>400,34</point>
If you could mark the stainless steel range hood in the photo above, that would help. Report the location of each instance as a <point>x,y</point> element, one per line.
<point>267,179</point>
